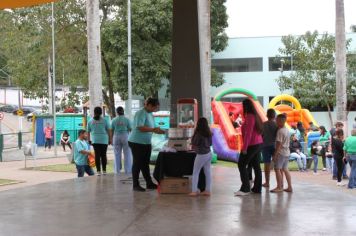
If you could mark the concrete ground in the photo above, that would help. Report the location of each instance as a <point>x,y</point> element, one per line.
<point>106,205</point>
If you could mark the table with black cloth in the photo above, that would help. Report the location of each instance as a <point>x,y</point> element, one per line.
<point>177,164</point>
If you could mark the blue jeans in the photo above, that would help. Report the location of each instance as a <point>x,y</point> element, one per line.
<point>315,160</point>
<point>335,170</point>
<point>84,169</point>
<point>301,160</point>
<point>330,164</point>
<point>202,161</point>
<point>352,178</point>
<point>120,144</point>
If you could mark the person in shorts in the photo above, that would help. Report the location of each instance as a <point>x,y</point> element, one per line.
<point>281,155</point>
<point>269,140</point>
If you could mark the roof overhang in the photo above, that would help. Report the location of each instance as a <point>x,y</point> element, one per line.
<point>9,4</point>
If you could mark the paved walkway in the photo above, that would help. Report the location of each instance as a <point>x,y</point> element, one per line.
<point>107,205</point>
<point>13,168</point>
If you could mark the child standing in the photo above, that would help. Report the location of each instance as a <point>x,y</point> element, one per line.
<point>314,154</point>
<point>201,142</point>
<point>81,152</point>
<point>329,158</point>
<point>281,155</point>
<point>269,140</point>
<point>338,150</point>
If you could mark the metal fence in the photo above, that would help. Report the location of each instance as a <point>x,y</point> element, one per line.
<point>14,141</point>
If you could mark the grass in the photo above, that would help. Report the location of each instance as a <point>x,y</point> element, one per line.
<point>110,167</point>
<point>8,181</point>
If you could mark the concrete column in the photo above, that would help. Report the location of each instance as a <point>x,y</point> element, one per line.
<point>205,55</point>
<point>190,75</point>
<point>94,55</point>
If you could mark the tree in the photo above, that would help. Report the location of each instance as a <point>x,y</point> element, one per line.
<point>340,55</point>
<point>313,78</point>
<point>151,44</point>
<point>27,44</point>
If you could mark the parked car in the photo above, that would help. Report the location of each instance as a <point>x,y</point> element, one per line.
<point>26,110</point>
<point>29,116</point>
<point>9,108</point>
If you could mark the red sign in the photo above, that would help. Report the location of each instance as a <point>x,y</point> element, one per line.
<point>2,116</point>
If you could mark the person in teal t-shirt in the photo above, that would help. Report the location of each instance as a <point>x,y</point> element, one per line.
<point>350,149</point>
<point>121,127</point>
<point>81,152</point>
<point>140,143</point>
<point>100,137</point>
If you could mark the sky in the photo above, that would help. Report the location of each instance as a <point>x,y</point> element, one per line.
<point>250,18</point>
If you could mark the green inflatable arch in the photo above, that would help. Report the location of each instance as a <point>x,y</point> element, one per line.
<point>235,90</point>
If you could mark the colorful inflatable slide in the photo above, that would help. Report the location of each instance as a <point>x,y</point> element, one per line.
<point>227,141</point>
<point>295,113</point>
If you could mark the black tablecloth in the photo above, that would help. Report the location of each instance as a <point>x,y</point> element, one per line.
<point>177,164</point>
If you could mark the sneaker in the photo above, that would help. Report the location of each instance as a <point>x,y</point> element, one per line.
<point>340,183</point>
<point>98,173</point>
<point>324,169</point>
<point>104,172</point>
<point>345,177</point>
<point>138,189</point>
<point>315,173</point>
<point>240,193</point>
<point>334,178</point>
<point>152,186</point>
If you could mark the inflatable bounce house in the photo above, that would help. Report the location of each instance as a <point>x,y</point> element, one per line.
<point>227,140</point>
<point>295,113</point>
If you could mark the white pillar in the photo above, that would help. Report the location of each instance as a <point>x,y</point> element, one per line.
<point>94,55</point>
<point>205,54</point>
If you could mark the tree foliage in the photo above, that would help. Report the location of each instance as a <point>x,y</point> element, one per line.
<point>25,43</point>
<point>313,79</point>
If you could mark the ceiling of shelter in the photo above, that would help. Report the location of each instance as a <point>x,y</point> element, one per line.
<point>22,3</point>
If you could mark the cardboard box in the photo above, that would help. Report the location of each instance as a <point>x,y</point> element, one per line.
<point>175,185</point>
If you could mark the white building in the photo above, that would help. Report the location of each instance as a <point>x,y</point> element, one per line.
<point>251,63</point>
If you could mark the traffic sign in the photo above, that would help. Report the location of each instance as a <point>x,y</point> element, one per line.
<point>2,116</point>
<point>20,112</point>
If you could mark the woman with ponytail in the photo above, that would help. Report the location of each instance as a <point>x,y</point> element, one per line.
<point>100,137</point>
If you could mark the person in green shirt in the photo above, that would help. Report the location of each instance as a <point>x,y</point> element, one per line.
<point>140,143</point>
<point>350,156</point>
<point>81,152</point>
<point>324,140</point>
<point>121,127</point>
<point>100,137</point>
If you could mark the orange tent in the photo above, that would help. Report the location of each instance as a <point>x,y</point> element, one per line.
<point>22,3</point>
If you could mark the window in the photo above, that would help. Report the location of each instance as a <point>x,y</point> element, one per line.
<point>238,64</point>
<point>275,63</point>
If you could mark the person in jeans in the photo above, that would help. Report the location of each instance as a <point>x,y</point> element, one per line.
<point>338,151</point>
<point>350,156</point>
<point>99,136</point>
<point>296,152</point>
<point>281,155</point>
<point>81,152</point>
<point>269,139</point>
<point>338,125</point>
<point>121,127</point>
<point>201,142</point>
<point>140,144</point>
<point>329,158</point>
<point>48,136</point>
<point>65,140</point>
<point>252,130</point>
<point>314,153</point>
<point>324,140</point>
